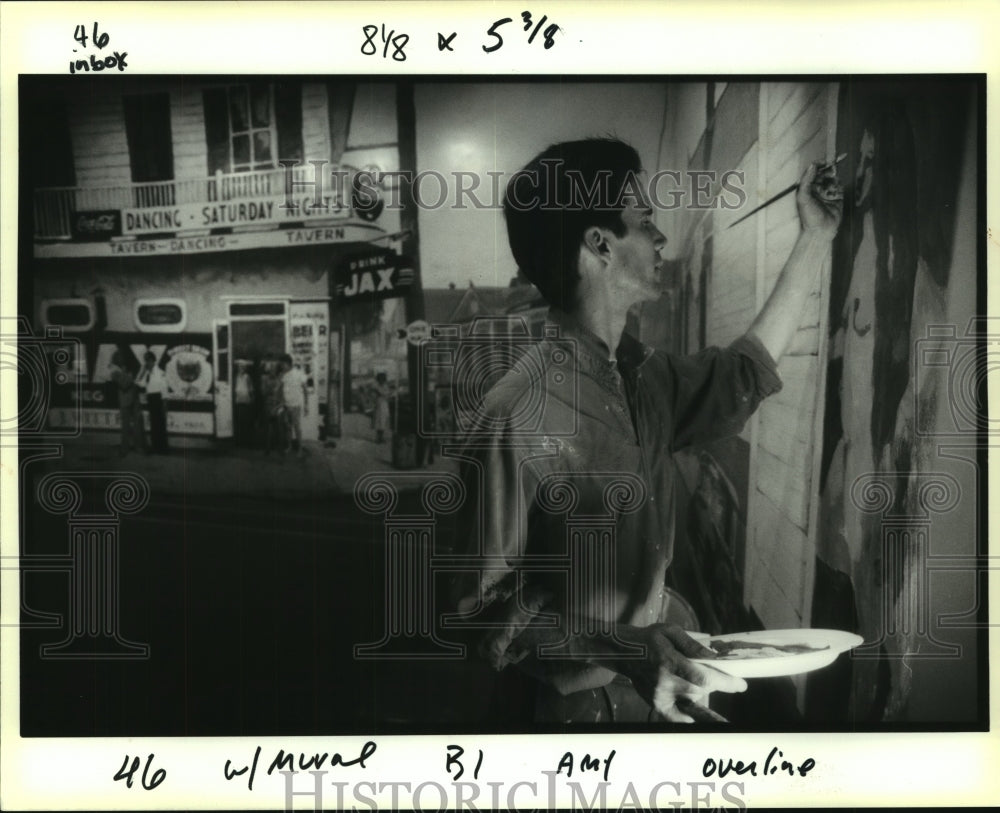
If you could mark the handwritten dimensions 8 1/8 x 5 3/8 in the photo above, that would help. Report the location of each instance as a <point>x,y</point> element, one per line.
<point>375,34</point>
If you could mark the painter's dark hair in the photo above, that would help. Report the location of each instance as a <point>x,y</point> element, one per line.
<point>549,204</point>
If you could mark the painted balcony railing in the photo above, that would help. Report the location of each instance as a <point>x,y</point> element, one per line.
<point>54,207</point>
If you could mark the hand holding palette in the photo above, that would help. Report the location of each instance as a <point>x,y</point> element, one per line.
<point>776,653</point>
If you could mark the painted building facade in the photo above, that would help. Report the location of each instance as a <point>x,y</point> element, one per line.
<point>219,223</point>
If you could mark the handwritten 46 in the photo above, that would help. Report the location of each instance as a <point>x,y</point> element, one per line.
<point>148,782</point>
<point>80,35</point>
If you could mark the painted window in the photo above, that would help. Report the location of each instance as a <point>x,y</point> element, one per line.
<point>150,148</point>
<point>253,126</point>
<point>160,315</point>
<point>45,141</point>
<point>150,144</point>
<point>75,315</point>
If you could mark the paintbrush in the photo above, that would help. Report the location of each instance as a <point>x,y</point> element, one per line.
<point>784,192</point>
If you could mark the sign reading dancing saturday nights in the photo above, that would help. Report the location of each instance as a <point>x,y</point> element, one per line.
<point>282,200</point>
<point>269,210</point>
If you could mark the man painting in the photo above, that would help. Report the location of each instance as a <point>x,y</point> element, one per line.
<point>595,646</point>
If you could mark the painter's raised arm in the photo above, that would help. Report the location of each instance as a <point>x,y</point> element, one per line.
<point>820,200</point>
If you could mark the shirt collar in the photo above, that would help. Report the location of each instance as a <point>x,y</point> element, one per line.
<point>629,353</point>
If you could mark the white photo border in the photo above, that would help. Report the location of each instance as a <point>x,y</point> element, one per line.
<point>687,38</point>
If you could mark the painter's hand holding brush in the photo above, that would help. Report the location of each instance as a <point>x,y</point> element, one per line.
<point>820,199</point>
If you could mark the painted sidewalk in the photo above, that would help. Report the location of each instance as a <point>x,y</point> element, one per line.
<point>226,469</point>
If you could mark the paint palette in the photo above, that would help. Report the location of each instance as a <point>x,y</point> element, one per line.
<point>775,653</point>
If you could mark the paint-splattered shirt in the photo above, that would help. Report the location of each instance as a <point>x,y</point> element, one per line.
<point>571,483</point>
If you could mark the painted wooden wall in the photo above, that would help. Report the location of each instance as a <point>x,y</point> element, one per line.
<point>796,126</point>
<point>100,147</point>
<point>770,132</point>
<point>97,132</point>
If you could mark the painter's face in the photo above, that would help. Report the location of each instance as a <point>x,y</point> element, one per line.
<point>635,257</point>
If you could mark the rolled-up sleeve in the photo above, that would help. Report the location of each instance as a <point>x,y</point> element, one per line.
<point>498,599</point>
<point>713,393</point>
<point>494,597</point>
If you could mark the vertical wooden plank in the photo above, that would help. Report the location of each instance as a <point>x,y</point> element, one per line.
<point>790,134</point>
<point>315,122</point>
<point>406,128</point>
<point>809,572</point>
<point>759,296</point>
<point>809,550</point>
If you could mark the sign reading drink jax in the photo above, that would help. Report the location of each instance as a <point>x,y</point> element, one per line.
<point>379,275</point>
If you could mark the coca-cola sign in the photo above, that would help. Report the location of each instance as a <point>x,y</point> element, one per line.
<point>96,225</point>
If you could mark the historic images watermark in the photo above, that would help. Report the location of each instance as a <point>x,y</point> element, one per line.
<point>370,190</point>
<point>31,365</point>
<point>475,357</point>
<point>92,502</point>
<point>492,795</point>
<point>475,360</point>
<point>903,504</point>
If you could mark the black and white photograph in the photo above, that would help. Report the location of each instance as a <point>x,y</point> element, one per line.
<point>362,408</point>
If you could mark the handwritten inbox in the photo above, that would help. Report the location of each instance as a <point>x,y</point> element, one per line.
<point>95,62</point>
